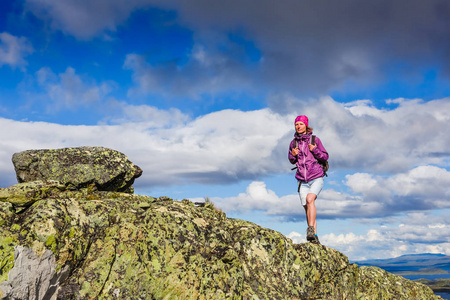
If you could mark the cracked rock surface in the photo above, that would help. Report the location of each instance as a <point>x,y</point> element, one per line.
<point>92,244</point>
<point>124,246</point>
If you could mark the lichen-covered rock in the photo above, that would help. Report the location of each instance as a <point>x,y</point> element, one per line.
<point>107,169</point>
<point>71,230</point>
<point>25,194</point>
<point>123,246</point>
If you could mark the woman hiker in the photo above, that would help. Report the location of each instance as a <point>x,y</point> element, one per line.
<point>305,153</point>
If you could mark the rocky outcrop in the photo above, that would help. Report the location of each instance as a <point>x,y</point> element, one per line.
<point>25,194</point>
<point>92,244</point>
<point>106,169</point>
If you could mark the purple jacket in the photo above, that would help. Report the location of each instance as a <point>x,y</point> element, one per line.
<point>306,161</point>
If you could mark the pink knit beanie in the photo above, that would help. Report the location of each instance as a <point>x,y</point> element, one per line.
<point>303,119</point>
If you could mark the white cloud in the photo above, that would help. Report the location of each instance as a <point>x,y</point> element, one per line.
<point>258,197</point>
<point>366,141</point>
<point>376,200</point>
<point>361,182</point>
<point>382,196</point>
<point>13,50</point>
<point>420,188</point>
<point>231,146</point>
<point>361,137</point>
<point>144,116</point>
<point>415,234</point>
<point>223,146</point>
<point>69,90</point>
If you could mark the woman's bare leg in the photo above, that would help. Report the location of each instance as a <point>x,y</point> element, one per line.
<point>310,209</point>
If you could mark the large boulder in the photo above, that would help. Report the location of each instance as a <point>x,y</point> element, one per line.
<point>106,169</point>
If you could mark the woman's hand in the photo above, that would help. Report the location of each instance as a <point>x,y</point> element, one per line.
<point>311,147</point>
<point>295,151</point>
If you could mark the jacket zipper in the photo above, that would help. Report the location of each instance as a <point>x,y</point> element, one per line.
<point>304,159</point>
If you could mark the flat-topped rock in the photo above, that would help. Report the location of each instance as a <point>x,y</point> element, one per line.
<point>107,169</point>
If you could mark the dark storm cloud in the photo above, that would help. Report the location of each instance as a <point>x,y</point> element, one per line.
<point>306,47</point>
<point>315,46</point>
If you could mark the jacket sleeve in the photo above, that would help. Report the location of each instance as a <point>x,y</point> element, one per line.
<point>292,158</point>
<point>319,152</point>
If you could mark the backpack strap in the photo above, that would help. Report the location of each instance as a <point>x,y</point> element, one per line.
<point>295,146</point>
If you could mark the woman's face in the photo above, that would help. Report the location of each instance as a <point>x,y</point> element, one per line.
<point>300,127</point>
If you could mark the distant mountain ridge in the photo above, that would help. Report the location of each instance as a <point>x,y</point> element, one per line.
<point>410,262</point>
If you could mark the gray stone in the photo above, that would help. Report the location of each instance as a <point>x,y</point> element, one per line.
<point>33,276</point>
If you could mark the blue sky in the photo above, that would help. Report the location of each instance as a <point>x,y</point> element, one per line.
<point>203,95</point>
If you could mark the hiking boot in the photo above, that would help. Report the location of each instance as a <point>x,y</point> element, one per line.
<point>316,240</point>
<point>310,234</point>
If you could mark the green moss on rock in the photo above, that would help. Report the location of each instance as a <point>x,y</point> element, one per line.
<point>7,242</point>
<point>132,246</point>
<point>25,194</point>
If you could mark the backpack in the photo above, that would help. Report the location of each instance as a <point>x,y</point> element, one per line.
<point>322,163</point>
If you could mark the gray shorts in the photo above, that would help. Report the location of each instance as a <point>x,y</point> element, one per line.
<point>312,187</point>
